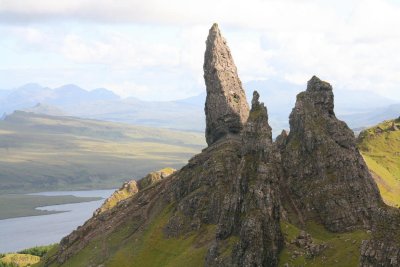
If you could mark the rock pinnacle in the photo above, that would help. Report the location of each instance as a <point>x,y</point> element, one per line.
<point>226,105</point>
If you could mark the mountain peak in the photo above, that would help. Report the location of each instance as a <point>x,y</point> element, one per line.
<point>226,106</point>
<point>321,159</point>
<point>70,88</point>
<point>319,94</point>
<point>316,84</point>
<point>215,27</point>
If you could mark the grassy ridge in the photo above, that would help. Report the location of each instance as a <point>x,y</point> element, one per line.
<point>42,152</point>
<point>380,147</point>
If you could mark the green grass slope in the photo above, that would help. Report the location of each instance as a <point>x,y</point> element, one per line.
<point>41,152</point>
<point>130,247</point>
<point>342,249</point>
<point>380,147</point>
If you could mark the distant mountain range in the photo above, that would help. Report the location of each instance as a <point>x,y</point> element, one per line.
<point>358,108</point>
<point>101,104</point>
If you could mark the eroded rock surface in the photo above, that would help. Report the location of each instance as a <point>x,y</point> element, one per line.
<point>324,171</point>
<point>226,106</point>
<point>384,247</point>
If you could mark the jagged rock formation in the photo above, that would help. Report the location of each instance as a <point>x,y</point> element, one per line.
<point>233,185</point>
<point>226,105</point>
<point>226,207</point>
<point>324,172</point>
<point>281,139</point>
<point>227,196</point>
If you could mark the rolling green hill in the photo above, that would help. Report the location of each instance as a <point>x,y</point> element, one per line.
<point>40,152</point>
<point>380,147</point>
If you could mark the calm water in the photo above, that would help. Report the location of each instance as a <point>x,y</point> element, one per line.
<point>25,232</point>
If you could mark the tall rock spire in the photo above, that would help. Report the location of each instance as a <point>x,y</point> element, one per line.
<point>324,170</point>
<point>226,105</point>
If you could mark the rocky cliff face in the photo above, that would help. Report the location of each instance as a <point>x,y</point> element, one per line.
<point>383,249</point>
<point>226,207</point>
<point>233,184</point>
<point>324,172</point>
<point>226,105</point>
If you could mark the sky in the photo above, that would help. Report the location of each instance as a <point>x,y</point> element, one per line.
<point>154,49</point>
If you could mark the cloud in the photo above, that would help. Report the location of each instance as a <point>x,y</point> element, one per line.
<point>353,44</point>
<point>260,14</point>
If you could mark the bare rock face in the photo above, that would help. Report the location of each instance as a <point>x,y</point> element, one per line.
<point>281,139</point>
<point>234,184</point>
<point>324,171</point>
<point>383,249</point>
<point>257,134</point>
<point>226,105</point>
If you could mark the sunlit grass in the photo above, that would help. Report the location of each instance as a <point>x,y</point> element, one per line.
<point>21,260</point>
<point>380,147</point>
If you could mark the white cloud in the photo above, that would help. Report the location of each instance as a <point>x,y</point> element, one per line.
<point>353,44</point>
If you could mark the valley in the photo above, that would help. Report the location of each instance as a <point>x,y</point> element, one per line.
<point>41,152</point>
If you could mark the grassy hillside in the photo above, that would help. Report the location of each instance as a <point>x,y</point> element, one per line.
<point>380,147</point>
<point>341,249</point>
<point>41,152</point>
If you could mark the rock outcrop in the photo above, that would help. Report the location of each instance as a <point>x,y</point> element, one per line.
<point>226,105</point>
<point>234,184</point>
<point>227,205</point>
<point>132,187</point>
<point>383,249</point>
<point>324,171</point>
<point>281,139</point>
